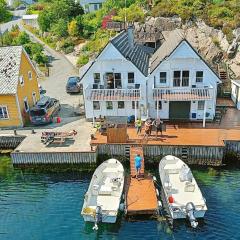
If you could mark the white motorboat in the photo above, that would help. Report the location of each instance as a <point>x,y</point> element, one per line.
<point>102,200</point>
<point>182,194</point>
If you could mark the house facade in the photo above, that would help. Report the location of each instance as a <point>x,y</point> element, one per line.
<point>91,5</point>
<point>235,94</point>
<point>173,83</point>
<point>18,86</point>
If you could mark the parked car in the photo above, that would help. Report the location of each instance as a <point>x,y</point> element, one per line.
<point>73,85</point>
<point>21,7</point>
<point>44,111</point>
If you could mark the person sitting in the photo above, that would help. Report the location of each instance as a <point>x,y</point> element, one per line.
<point>138,165</point>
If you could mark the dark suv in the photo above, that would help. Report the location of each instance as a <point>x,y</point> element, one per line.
<point>44,111</point>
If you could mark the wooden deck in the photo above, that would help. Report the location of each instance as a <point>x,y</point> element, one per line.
<point>133,152</point>
<point>141,198</point>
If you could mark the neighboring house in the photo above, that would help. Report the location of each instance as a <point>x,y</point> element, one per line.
<point>31,20</point>
<point>236,93</point>
<point>11,3</point>
<point>91,5</point>
<point>173,83</point>
<point>18,86</point>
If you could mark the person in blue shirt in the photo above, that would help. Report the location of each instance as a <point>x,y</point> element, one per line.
<point>138,164</point>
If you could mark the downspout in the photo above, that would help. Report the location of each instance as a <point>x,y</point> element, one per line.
<point>19,110</point>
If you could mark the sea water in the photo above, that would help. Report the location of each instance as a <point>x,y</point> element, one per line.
<point>46,206</point>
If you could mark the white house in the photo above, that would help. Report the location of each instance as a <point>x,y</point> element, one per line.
<point>31,20</point>
<point>174,83</point>
<point>236,93</point>
<point>91,5</point>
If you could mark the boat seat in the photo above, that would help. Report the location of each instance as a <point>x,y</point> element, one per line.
<point>189,187</point>
<point>105,190</point>
<point>168,186</point>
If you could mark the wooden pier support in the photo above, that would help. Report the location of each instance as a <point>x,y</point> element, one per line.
<point>141,196</point>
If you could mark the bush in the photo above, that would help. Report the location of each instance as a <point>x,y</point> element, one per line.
<point>82,60</point>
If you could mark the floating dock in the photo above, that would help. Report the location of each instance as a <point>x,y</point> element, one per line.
<point>141,195</point>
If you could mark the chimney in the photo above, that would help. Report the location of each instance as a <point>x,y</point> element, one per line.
<point>130,37</point>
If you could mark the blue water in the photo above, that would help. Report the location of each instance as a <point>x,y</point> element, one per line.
<point>47,206</point>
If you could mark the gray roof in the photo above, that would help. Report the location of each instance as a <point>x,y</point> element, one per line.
<point>165,50</point>
<point>135,54</point>
<point>10,59</point>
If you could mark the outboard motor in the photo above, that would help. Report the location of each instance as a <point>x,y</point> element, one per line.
<point>190,213</point>
<point>98,217</point>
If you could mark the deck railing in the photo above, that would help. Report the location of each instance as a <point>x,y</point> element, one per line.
<point>183,94</point>
<point>132,94</point>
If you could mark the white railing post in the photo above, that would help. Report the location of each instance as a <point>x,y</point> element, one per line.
<point>204,114</point>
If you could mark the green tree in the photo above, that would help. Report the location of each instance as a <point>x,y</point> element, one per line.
<point>60,28</point>
<point>45,19</point>
<point>73,28</point>
<point>22,39</point>
<point>5,15</point>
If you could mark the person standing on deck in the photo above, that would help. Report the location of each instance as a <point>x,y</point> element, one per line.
<point>138,164</point>
<point>158,125</point>
<point>138,125</point>
<point>147,129</point>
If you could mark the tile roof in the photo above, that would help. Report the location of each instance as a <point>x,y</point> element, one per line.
<point>165,50</point>
<point>135,54</point>
<point>10,59</point>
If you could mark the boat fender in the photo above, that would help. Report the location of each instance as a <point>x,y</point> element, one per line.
<point>170,199</point>
<point>157,192</point>
<point>160,204</point>
<point>121,207</point>
<point>154,179</point>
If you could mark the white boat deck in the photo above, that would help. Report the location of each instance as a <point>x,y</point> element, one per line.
<point>182,197</point>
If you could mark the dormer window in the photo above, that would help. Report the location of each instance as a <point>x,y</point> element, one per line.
<point>21,80</point>
<point>199,76</point>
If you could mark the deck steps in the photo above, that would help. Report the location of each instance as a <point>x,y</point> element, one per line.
<point>127,151</point>
<point>184,153</point>
<point>133,152</point>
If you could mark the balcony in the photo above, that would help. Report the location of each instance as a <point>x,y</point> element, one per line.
<point>118,94</point>
<point>182,94</point>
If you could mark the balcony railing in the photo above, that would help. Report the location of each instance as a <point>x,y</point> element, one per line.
<point>182,94</point>
<point>113,94</point>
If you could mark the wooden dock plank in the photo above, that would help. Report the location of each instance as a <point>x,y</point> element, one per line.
<point>133,152</point>
<point>141,197</point>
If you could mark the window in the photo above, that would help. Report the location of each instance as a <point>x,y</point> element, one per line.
<point>185,78</point>
<point>131,77</point>
<point>3,112</point>
<point>120,105</point>
<point>200,105</point>
<point>30,75</point>
<point>21,80</point>
<point>181,79</point>
<point>133,104</point>
<point>96,105</point>
<point>159,105</point>
<point>177,78</point>
<point>95,7</point>
<point>96,77</point>
<point>34,98</point>
<point>163,77</point>
<point>199,76</point>
<point>109,105</point>
<point>26,106</point>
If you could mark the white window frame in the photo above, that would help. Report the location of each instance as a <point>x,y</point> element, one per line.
<point>202,107</point>
<point>98,105</point>
<point>181,77</point>
<point>197,78</point>
<point>30,75</point>
<point>98,80</point>
<point>1,109</point>
<point>131,80</point>
<point>162,78</point>
<point>25,100</point>
<point>21,80</point>
<point>159,105</point>
<point>34,98</point>
<point>133,104</point>
<point>123,105</point>
<point>108,105</point>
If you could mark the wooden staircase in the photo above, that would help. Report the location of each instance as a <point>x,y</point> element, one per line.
<point>133,152</point>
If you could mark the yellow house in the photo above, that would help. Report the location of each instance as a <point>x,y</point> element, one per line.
<point>19,89</point>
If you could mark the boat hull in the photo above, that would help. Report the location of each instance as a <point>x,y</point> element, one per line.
<point>105,218</point>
